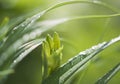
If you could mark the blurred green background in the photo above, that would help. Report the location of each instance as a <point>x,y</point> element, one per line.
<point>76,36</point>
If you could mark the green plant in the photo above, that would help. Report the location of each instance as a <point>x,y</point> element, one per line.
<point>65,71</point>
<point>16,42</point>
<point>51,54</point>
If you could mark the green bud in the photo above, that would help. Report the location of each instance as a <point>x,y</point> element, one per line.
<point>56,40</point>
<point>49,39</point>
<point>47,48</point>
<point>51,53</point>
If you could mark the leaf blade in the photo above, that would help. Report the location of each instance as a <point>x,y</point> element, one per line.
<point>68,69</point>
<point>106,78</point>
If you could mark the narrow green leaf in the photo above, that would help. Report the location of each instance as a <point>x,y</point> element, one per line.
<point>6,72</point>
<point>3,28</point>
<point>27,37</point>
<point>4,22</point>
<point>15,37</point>
<point>49,39</point>
<point>106,78</point>
<point>29,22</point>
<point>56,40</point>
<point>64,72</point>
<point>47,49</point>
<point>23,51</point>
<point>44,60</point>
<point>18,36</point>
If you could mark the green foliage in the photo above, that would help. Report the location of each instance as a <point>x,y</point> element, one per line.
<point>19,39</point>
<point>109,75</point>
<point>3,28</point>
<point>5,72</point>
<point>77,62</point>
<point>51,54</point>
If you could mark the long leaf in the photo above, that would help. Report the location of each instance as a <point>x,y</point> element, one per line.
<point>26,38</point>
<point>77,62</point>
<point>19,36</point>
<point>24,51</point>
<point>28,22</point>
<point>21,53</point>
<point>14,38</point>
<point>4,73</point>
<point>106,78</point>
<point>3,29</point>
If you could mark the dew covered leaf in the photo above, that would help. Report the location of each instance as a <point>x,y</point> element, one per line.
<point>26,31</point>
<point>65,71</point>
<point>106,78</point>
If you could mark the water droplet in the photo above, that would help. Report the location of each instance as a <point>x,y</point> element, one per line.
<point>32,35</point>
<point>15,61</point>
<point>82,53</point>
<point>96,1</point>
<point>26,37</point>
<point>14,29</point>
<point>94,47</point>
